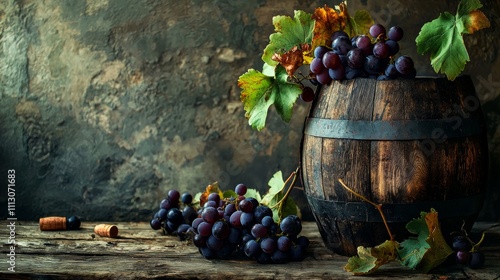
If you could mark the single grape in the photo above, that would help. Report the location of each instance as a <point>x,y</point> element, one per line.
<point>235,235</point>
<point>392,46</point>
<point>182,231</point>
<point>240,189</point>
<point>205,229</point>
<point>165,204</point>
<point>221,230</point>
<point>262,211</point>
<point>291,225</point>
<point>196,222</point>
<point>320,51</point>
<point>324,77</point>
<point>199,240</point>
<point>351,73</point>
<point>391,71</point>
<point>267,221</point>
<point>476,260</point>
<point>214,243</point>
<point>246,219</point>
<point>339,33</point>
<point>252,249</point>
<point>341,45</point>
<point>264,258</point>
<point>73,223</point>
<point>331,60</point>
<point>377,30</point>
<point>355,58</point>
<point>280,257</point>
<point>297,253</point>
<point>155,224</point>
<point>303,242</point>
<point>268,245</point>
<point>186,198</point>
<point>307,94</point>
<point>229,209</point>
<point>354,40</point>
<point>175,216</point>
<point>210,214</point>
<point>189,213</point>
<point>208,253</point>
<point>162,214</point>
<point>374,65</point>
<point>381,50</point>
<point>461,243</point>
<point>284,243</point>
<point>170,227</point>
<point>246,205</point>
<point>259,231</point>
<point>174,195</point>
<point>214,197</point>
<point>463,257</point>
<point>254,201</point>
<point>225,252</point>
<point>404,64</point>
<point>337,73</point>
<point>363,42</point>
<point>395,33</point>
<point>316,65</point>
<point>234,219</point>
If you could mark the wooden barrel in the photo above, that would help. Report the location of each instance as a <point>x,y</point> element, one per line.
<point>411,145</point>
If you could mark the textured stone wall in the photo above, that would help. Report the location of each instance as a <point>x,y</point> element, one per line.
<point>107,104</point>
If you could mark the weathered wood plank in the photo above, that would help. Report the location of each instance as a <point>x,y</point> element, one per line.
<point>141,253</point>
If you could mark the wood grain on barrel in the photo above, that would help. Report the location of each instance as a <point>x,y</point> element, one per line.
<point>394,171</point>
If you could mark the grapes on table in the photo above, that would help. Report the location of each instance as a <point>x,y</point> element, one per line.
<point>362,56</point>
<point>466,252</point>
<point>230,228</point>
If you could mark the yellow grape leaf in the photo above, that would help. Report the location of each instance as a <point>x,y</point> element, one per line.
<point>327,21</point>
<point>369,260</point>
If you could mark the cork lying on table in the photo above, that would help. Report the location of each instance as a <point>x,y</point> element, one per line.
<point>106,230</point>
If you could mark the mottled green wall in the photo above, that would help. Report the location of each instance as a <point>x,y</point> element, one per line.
<point>107,104</point>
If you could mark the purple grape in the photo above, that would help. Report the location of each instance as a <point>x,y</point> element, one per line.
<point>395,33</point>
<point>307,94</point>
<point>262,211</point>
<point>246,219</point>
<point>392,46</point>
<point>303,242</point>
<point>351,73</point>
<point>363,42</point>
<point>229,209</point>
<point>297,253</point>
<point>391,71</point>
<point>284,243</point>
<point>240,189</point>
<point>234,220</point>
<point>374,65</point>
<point>381,50</point>
<point>339,33</point>
<point>264,258</point>
<point>341,45</point>
<point>252,249</point>
<point>461,243</point>
<point>323,77</point>
<point>280,257</point>
<point>355,58</point>
<point>189,214</point>
<point>165,204</point>
<point>155,224</point>
<point>476,260</point>
<point>186,198</point>
<point>221,230</point>
<point>377,30</point>
<point>210,214</point>
<point>404,64</point>
<point>196,222</point>
<point>337,74</point>
<point>214,243</point>
<point>258,231</point>
<point>320,51</point>
<point>174,195</point>
<point>162,214</point>
<point>267,221</point>
<point>463,257</point>
<point>205,229</point>
<point>268,245</point>
<point>182,231</point>
<point>317,66</point>
<point>354,41</point>
<point>199,240</point>
<point>291,225</point>
<point>175,216</point>
<point>208,253</point>
<point>331,60</point>
<point>214,197</point>
<point>246,205</point>
<point>234,235</point>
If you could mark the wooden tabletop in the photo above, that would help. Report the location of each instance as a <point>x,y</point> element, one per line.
<point>142,253</point>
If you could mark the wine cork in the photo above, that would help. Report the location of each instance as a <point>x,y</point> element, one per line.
<point>53,223</point>
<point>105,230</point>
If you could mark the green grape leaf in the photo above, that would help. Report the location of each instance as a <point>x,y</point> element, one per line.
<point>369,260</point>
<point>229,193</point>
<point>290,32</point>
<point>273,198</point>
<point>253,193</point>
<point>259,92</point>
<point>442,37</point>
<point>428,249</point>
<point>359,24</point>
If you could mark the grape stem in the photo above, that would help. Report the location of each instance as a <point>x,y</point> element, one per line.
<point>377,206</point>
<point>281,202</point>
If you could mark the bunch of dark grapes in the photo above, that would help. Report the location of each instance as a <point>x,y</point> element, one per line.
<point>228,228</point>
<point>361,56</point>
<point>175,214</point>
<point>465,254</point>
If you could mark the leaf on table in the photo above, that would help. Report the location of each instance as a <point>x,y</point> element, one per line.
<point>290,33</point>
<point>428,249</point>
<point>275,194</point>
<point>442,37</point>
<point>259,92</point>
<point>369,260</point>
